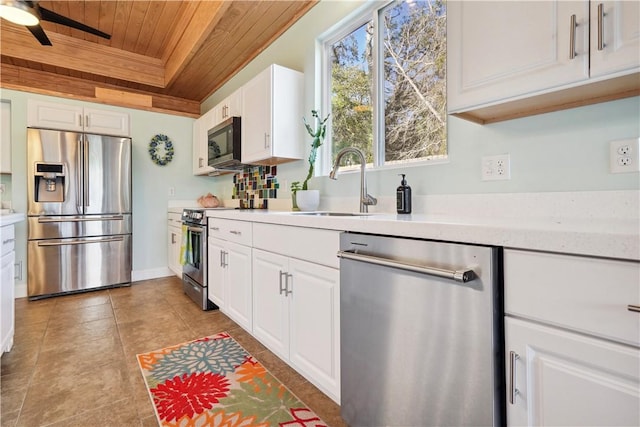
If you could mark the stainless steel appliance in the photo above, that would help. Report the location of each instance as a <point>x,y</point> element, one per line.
<point>194,272</point>
<point>421,333</point>
<point>224,145</point>
<point>79,212</point>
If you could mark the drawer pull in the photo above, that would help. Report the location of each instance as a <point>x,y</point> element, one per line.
<point>572,37</point>
<point>634,308</point>
<point>237,233</point>
<point>215,228</point>
<point>513,391</point>
<point>601,16</point>
<point>4,242</point>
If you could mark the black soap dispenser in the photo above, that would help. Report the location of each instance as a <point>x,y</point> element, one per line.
<point>403,197</point>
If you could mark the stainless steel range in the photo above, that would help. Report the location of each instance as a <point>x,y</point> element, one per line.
<point>194,272</point>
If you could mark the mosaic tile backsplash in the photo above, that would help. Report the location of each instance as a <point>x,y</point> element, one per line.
<point>254,186</point>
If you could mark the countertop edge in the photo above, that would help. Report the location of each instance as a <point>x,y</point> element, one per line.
<point>616,239</point>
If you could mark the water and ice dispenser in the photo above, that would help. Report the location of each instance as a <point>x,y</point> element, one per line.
<point>49,181</point>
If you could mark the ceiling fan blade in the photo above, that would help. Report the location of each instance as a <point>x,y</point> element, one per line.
<point>48,15</point>
<point>38,33</point>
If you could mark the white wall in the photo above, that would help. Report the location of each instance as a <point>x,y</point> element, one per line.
<point>562,151</point>
<point>150,182</point>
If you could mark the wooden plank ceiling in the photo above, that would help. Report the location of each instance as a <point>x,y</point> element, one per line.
<point>163,55</point>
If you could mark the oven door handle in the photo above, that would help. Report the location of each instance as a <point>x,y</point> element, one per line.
<point>195,229</point>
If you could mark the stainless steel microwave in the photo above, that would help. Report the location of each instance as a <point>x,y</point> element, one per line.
<point>224,145</point>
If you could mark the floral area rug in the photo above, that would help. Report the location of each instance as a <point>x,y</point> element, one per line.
<point>213,381</point>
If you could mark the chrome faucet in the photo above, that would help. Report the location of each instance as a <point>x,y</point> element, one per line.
<point>365,199</point>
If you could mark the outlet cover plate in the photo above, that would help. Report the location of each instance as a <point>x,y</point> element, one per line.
<point>624,155</point>
<point>496,168</point>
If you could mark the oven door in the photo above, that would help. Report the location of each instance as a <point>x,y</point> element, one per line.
<point>196,264</point>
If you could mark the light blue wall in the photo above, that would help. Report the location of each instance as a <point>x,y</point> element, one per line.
<point>562,151</point>
<point>150,182</point>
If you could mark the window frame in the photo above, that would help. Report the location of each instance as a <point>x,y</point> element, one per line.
<point>368,12</point>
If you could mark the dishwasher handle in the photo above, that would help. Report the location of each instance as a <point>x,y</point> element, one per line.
<point>462,276</point>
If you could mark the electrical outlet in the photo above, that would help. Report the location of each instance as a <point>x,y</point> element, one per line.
<point>624,155</point>
<point>496,168</point>
<point>172,191</point>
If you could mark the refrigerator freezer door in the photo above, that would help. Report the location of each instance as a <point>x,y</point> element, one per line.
<point>52,147</point>
<point>107,174</point>
<point>71,265</point>
<point>61,227</point>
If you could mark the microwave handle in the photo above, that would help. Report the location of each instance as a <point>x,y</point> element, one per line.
<point>267,137</point>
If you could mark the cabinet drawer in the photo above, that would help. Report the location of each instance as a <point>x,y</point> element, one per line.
<point>589,295</point>
<point>231,230</point>
<point>310,244</point>
<point>7,239</point>
<point>174,219</point>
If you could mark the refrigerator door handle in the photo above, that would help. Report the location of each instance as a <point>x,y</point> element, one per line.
<point>79,176</point>
<point>78,242</point>
<point>47,220</point>
<point>85,156</point>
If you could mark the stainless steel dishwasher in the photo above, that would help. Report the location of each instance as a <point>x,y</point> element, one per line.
<point>422,334</point>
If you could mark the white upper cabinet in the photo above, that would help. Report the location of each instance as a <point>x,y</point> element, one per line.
<point>230,107</point>
<point>200,143</point>
<point>74,118</point>
<point>615,46</point>
<point>5,138</point>
<point>272,111</point>
<point>513,59</point>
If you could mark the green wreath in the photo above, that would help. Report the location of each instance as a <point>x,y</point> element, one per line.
<point>163,143</point>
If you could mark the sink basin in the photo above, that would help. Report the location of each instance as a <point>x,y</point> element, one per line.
<point>330,213</point>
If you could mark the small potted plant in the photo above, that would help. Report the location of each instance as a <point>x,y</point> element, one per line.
<point>303,198</point>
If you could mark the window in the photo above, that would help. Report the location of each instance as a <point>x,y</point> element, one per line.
<point>385,83</point>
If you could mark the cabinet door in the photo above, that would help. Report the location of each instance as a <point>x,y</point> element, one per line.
<point>173,250</point>
<point>229,107</point>
<point>615,36</point>
<point>200,143</point>
<point>7,304</point>
<point>566,379</point>
<point>238,284</point>
<point>54,116</point>
<point>314,320</point>
<point>500,50</point>
<point>256,118</point>
<point>270,304</point>
<point>216,273</point>
<point>106,122</point>
<point>5,138</point>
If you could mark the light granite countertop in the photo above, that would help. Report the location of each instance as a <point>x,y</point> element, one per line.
<point>612,238</point>
<point>11,218</point>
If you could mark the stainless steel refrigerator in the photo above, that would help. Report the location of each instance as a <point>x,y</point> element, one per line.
<point>79,212</point>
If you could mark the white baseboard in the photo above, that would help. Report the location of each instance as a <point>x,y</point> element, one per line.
<point>21,290</point>
<point>153,273</point>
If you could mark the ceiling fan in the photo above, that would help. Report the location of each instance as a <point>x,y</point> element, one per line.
<point>29,14</point>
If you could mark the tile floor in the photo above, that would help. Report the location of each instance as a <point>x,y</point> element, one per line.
<point>73,360</point>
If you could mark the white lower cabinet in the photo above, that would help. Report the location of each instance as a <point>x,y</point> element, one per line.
<point>229,269</point>
<point>567,379</point>
<point>7,287</point>
<point>174,241</point>
<point>296,308</point>
<point>572,340</point>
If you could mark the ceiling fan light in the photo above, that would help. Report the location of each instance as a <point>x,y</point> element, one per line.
<point>18,13</point>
